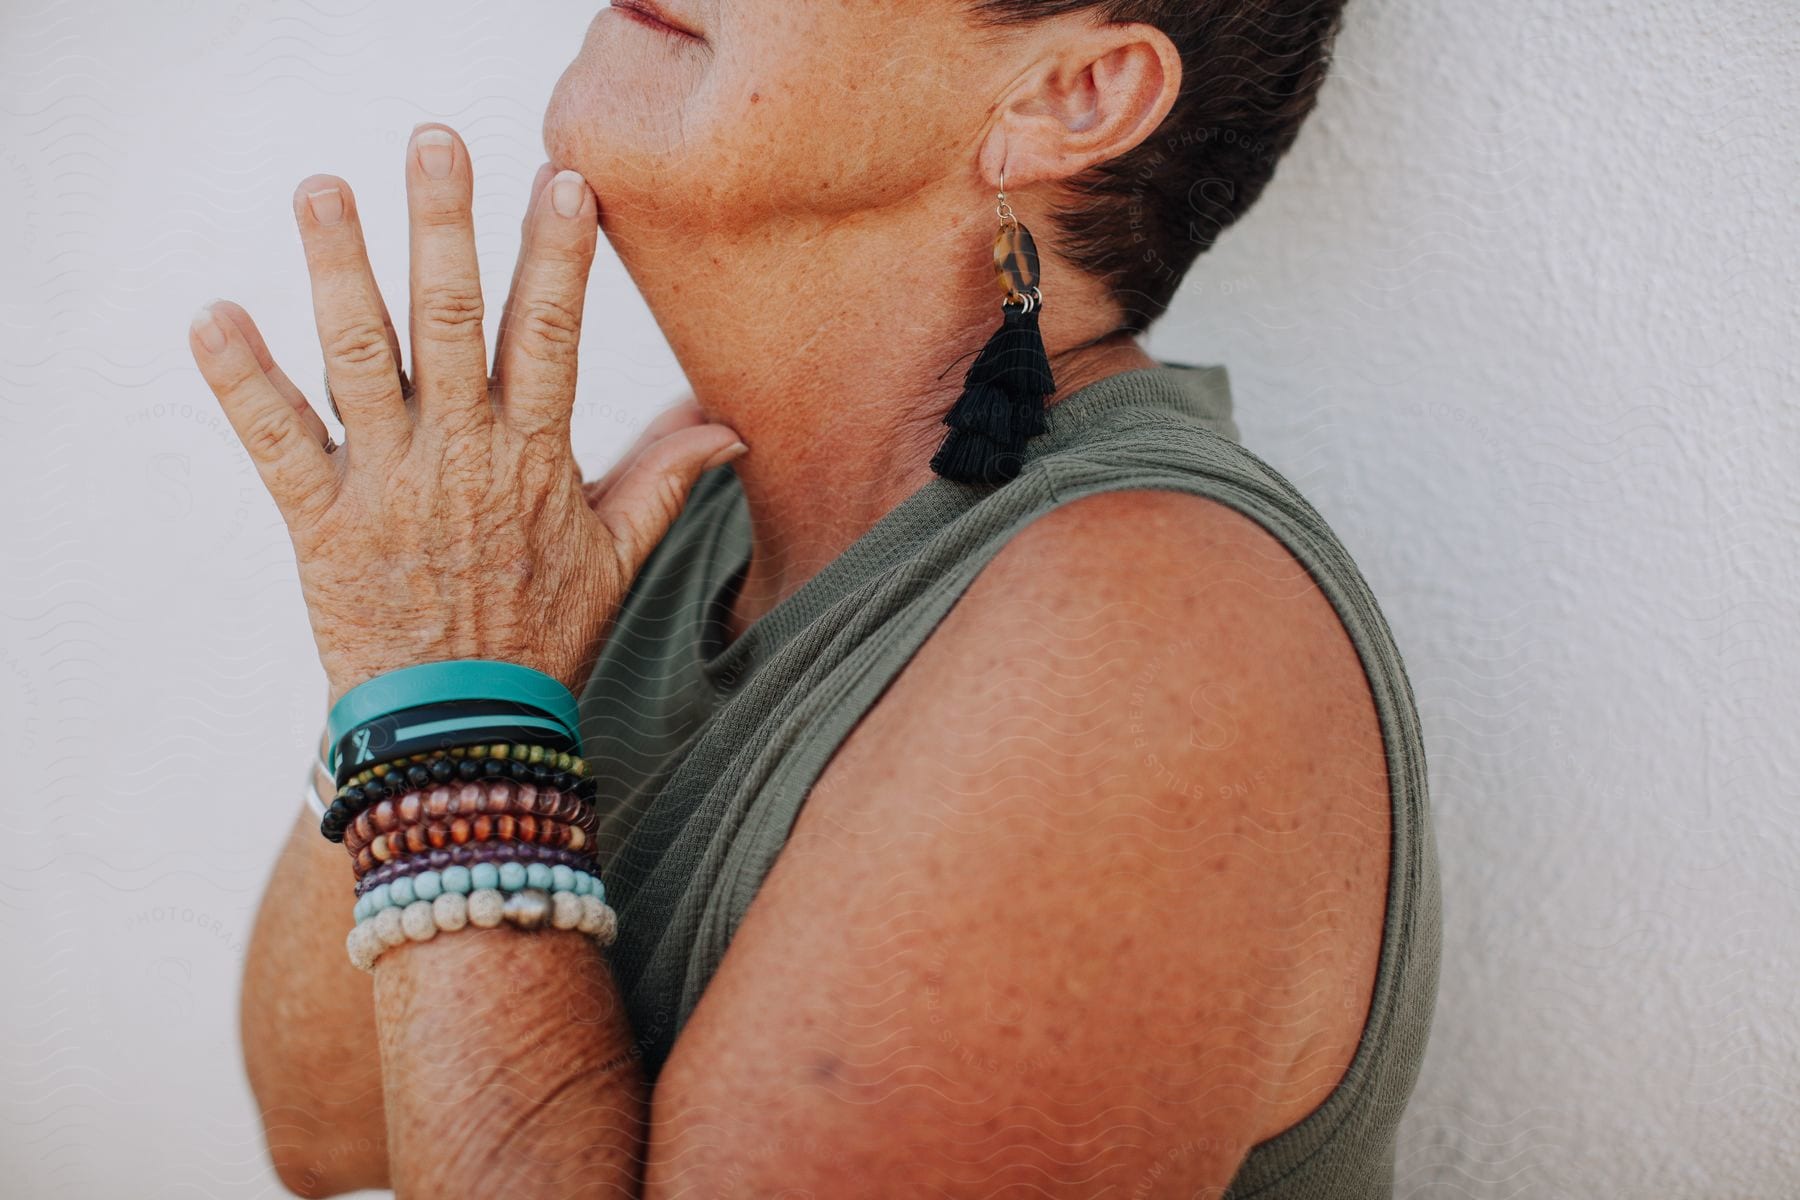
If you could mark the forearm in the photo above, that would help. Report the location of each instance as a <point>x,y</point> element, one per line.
<point>509,1068</point>
<point>307,1022</point>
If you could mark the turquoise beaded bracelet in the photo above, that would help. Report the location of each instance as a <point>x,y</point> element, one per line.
<point>459,880</point>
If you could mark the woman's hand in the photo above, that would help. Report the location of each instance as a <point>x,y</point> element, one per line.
<point>453,521</point>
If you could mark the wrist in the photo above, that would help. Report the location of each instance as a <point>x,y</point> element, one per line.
<point>464,801</point>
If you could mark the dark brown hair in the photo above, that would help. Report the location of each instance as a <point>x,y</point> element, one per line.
<point>1251,71</point>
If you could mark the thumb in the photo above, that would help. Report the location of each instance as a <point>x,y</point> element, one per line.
<point>676,416</point>
<point>644,501</point>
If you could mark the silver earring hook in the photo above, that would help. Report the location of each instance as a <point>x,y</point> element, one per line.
<point>1003,208</point>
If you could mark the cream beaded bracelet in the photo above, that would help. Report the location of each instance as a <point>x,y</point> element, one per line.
<point>484,908</point>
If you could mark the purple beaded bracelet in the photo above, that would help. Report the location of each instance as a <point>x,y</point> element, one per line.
<point>472,853</point>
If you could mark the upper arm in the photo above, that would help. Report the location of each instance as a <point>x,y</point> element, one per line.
<point>1088,903</point>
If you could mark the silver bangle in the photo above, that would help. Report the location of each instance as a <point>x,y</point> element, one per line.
<point>312,794</point>
<point>315,801</point>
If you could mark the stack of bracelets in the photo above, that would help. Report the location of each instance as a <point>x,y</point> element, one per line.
<point>463,799</point>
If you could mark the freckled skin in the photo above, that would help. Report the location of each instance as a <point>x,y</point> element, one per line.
<point>855,261</point>
<point>1053,901</point>
<point>1002,951</point>
<point>663,127</point>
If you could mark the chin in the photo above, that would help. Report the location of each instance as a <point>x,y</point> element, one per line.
<point>564,145</point>
<point>594,125</point>
<point>628,94</point>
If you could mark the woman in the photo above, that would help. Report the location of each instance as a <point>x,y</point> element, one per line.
<point>1114,873</point>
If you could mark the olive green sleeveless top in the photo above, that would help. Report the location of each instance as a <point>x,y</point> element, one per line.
<point>708,750</point>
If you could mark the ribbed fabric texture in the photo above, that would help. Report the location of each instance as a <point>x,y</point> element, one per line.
<point>709,751</point>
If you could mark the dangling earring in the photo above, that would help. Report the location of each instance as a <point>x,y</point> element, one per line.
<point>1002,402</point>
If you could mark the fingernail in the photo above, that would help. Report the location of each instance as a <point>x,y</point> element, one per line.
<point>327,205</point>
<point>726,455</point>
<point>212,334</point>
<point>565,192</point>
<point>435,154</point>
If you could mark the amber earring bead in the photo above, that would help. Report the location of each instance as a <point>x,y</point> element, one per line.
<point>1015,260</point>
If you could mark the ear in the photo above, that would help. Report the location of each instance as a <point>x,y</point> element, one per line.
<point>1097,91</point>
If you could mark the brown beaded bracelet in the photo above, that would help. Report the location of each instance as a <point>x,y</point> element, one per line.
<point>460,831</point>
<point>521,763</point>
<point>465,800</point>
<point>495,817</point>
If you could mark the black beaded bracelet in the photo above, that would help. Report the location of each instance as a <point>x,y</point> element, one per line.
<point>532,753</point>
<point>458,765</point>
<point>355,799</point>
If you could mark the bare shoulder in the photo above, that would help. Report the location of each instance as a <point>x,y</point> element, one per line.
<point>1110,851</point>
<point>1154,678</point>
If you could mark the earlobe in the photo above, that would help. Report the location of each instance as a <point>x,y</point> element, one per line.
<point>992,161</point>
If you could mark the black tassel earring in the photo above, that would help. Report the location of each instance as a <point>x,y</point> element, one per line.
<point>1002,402</point>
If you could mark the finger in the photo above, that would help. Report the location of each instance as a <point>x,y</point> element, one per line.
<point>230,310</point>
<point>538,371</point>
<point>650,495</point>
<point>294,467</point>
<point>393,341</point>
<point>449,348</point>
<point>538,181</point>
<point>359,363</point>
<point>677,416</point>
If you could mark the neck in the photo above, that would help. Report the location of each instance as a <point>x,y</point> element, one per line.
<point>834,348</point>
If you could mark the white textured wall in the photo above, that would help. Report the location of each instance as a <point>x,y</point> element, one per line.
<point>1518,314</point>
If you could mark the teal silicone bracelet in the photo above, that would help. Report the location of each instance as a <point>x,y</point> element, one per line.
<point>453,679</point>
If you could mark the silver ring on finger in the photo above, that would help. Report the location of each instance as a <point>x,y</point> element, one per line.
<point>332,401</point>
